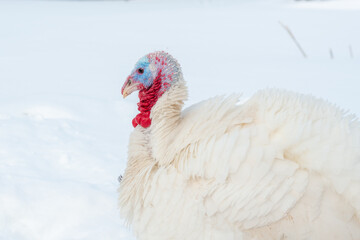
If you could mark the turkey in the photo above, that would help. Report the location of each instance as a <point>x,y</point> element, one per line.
<point>279,166</point>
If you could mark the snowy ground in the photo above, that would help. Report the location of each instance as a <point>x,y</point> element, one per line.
<point>64,126</point>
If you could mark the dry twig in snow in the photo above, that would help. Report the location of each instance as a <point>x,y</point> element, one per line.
<point>331,53</point>
<point>294,39</point>
<point>351,52</point>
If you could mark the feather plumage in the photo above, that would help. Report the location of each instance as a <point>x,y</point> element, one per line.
<point>278,166</point>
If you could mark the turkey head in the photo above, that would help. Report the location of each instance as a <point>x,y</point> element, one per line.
<point>152,75</point>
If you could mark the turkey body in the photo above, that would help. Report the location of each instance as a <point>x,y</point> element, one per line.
<point>278,166</point>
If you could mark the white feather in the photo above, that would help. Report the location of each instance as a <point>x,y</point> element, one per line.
<point>278,166</point>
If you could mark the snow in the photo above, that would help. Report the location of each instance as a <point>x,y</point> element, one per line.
<point>336,5</point>
<point>64,126</point>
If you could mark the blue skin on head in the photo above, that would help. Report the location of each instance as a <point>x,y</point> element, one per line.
<point>144,78</point>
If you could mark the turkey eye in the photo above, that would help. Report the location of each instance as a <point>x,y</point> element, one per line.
<point>141,70</point>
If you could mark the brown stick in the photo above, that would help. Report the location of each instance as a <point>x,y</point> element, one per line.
<point>294,39</point>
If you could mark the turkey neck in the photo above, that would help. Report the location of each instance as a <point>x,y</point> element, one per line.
<point>147,99</point>
<point>166,115</point>
<point>168,76</point>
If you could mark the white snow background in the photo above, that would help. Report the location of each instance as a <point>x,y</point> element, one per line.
<point>64,126</point>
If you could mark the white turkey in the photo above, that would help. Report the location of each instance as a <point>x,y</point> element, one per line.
<point>279,166</point>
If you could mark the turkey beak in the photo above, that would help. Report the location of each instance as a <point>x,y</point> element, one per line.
<point>129,87</point>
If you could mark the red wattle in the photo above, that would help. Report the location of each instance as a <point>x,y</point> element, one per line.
<point>134,123</point>
<point>148,98</point>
